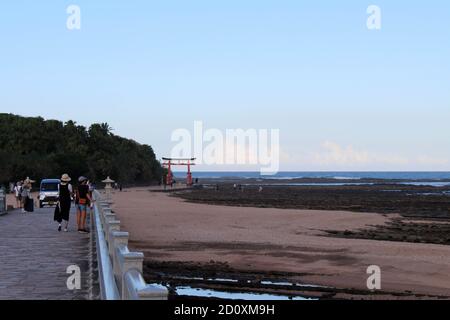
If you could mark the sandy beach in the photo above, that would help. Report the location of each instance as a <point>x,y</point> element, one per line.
<point>289,243</point>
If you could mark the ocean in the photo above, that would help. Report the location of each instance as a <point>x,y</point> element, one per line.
<point>338,175</point>
<point>338,178</point>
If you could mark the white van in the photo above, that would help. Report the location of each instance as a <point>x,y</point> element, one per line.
<point>48,194</point>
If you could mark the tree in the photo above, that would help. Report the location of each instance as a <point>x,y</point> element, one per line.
<point>48,148</point>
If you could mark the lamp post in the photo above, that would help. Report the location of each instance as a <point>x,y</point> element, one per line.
<point>108,188</point>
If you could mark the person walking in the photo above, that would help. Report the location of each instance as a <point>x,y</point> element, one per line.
<point>18,194</point>
<point>62,210</point>
<point>27,199</point>
<point>83,198</point>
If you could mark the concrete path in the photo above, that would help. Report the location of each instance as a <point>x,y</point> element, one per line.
<point>34,257</point>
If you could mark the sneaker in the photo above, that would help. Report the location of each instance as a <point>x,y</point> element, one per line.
<point>59,228</point>
<point>65,230</point>
<point>84,231</point>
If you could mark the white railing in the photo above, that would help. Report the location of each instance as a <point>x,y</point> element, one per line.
<point>120,271</point>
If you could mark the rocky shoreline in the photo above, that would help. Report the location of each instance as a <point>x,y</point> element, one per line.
<point>413,201</point>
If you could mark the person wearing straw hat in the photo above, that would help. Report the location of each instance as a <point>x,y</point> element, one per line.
<point>27,200</point>
<point>62,210</point>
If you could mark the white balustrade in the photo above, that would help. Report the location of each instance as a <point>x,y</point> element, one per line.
<point>120,270</point>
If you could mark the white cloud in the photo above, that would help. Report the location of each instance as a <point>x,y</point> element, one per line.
<point>333,156</point>
<point>334,153</point>
<point>427,160</point>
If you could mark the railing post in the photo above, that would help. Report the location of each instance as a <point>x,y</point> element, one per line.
<point>153,292</point>
<point>131,261</point>
<point>118,239</point>
<point>113,226</point>
<point>109,216</point>
<point>104,208</point>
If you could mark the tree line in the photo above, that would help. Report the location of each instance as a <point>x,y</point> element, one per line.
<point>42,149</point>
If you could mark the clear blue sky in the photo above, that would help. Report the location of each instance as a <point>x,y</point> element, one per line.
<point>343,97</point>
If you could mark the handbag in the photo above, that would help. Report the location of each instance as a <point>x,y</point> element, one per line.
<point>29,204</point>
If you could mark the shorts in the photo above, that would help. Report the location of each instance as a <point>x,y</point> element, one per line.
<point>81,207</point>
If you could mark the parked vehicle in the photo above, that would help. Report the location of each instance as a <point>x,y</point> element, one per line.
<point>48,194</point>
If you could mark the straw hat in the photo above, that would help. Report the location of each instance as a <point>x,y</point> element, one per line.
<point>65,178</point>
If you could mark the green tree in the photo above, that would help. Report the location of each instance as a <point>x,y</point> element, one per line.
<point>47,148</point>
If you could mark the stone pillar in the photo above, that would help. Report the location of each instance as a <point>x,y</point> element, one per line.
<point>112,226</point>
<point>117,239</point>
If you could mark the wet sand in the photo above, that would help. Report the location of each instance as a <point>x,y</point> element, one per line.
<point>288,244</point>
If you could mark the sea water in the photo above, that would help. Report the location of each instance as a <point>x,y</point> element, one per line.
<point>338,175</point>
<point>436,179</point>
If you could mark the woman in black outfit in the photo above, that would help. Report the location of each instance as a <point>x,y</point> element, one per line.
<point>62,211</point>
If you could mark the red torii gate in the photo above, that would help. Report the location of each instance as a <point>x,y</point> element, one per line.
<point>169,162</point>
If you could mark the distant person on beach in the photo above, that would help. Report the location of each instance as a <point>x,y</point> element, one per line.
<point>18,194</point>
<point>83,198</point>
<point>62,210</point>
<point>91,187</point>
<point>91,191</point>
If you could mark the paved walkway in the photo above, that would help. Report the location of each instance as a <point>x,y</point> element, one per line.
<point>34,257</point>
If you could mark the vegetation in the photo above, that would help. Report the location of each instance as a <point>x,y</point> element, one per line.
<point>41,149</point>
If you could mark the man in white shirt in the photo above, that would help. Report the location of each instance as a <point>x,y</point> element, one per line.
<point>18,195</point>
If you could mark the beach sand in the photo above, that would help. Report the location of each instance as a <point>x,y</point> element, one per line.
<point>287,241</point>
<point>11,200</point>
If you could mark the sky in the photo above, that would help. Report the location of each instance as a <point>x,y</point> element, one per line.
<point>343,97</point>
